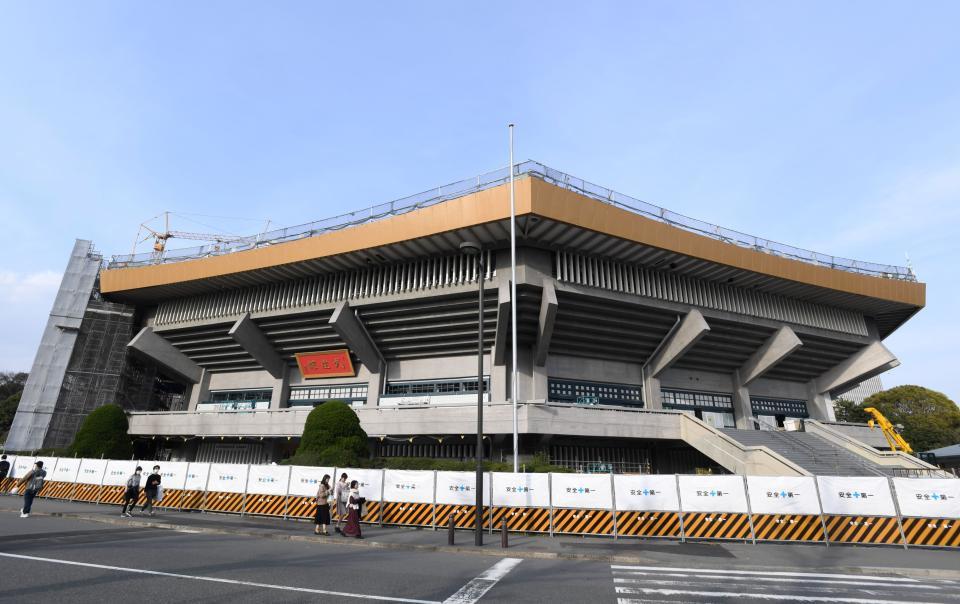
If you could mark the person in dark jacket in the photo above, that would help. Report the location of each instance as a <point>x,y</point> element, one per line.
<point>33,482</point>
<point>150,490</point>
<point>4,467</point>
<point>132,493</point>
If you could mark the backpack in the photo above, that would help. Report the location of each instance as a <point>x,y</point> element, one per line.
<point>36,483</point>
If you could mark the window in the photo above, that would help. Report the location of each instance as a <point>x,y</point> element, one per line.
<point>594,393</point>
<point>245,396</point>
<point>695,400</point>
<point>436,387</point>
<point>761,405</point>
<point>314,395</point>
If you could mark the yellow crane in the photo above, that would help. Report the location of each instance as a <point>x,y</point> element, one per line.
<point>897,443</point>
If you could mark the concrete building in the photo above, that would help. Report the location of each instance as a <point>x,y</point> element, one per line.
<point>647,341</point>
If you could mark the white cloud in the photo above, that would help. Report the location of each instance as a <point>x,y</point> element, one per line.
<point>26,299</point>
<point>19,286</point>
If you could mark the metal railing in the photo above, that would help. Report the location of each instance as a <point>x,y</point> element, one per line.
<point>497,177</point>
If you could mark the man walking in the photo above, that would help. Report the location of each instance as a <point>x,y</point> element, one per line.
<point>4,468</point>
<point>151,490</point>
<point>132,493</point>
<point>340,493</point>
<point>33,482</point>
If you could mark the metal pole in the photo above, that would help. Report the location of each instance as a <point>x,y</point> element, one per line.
<point>513,306</point>
<point>478,484</point>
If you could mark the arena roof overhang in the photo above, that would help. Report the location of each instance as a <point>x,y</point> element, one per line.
<point>548,216</point>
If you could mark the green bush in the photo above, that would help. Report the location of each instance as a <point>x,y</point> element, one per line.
<point>930,419</point>
<point>332,436</point>
<point>103,433</point>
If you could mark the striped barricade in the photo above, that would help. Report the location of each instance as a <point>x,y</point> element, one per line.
<point>582,504</point>
<point>785,508</point>
<point>407,498</point>
<point>302,490</point>
<point>266,490</point>
<point>62,479</point>
<point>522,499</point>
<point>464,516</point>
<point>57,490</point>
<point>456,497</point>
<point>194,486</point>
<point>172,499</point>
<point>859,509</point>
<point>173,476</point>
<point>20,466</point>
<point>930,509</point>
<point>647,506</point>
<point>714,507</point>
<point>226,485</point>
<point>112,494</point>
<point>7,484</point>
<point>524,520</point>
<point>370,484</point>
<point>89,479</point>
<point>304,507</point>
<point>115,479</point>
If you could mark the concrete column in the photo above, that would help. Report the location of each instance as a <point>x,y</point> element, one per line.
<point>871,360</point>
<point>374,385</point>
<point>200,391</point>
<point>246,333</point>
<point>281,389</point>
<point>677,342</point>
<point>548,315</point>
<point>503,323</point>
<point>166,355</point>
<point>742,409</point>
<point>352,331</point>
<point>778,346</point>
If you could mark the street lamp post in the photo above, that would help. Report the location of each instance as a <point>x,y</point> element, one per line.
<point>474,248</point>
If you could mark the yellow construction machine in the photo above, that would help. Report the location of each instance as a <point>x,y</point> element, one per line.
<point>897,443</point>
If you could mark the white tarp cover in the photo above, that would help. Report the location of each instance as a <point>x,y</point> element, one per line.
<point>305,480</point>
<point>928,497</point>
<point>856,495</point>
<point>371,481</point>
<point>647,493</point>
<point>408,486</point>
<point>173,474</point>
<point>722,493</point>
<point>268,480</point>
<point>520,490</point>
<point>583,491</point>
<point>783,495</point>
<point>197,474</point>
<point>66,470</point>
<point>227,477</point>
<point>91,471</point>
<point>118,472</point>
<point>459,488</point>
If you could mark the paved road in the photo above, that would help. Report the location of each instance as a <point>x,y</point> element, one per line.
<point>64,560</point>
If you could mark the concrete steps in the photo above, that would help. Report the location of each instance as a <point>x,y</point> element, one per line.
<point>814,454</point>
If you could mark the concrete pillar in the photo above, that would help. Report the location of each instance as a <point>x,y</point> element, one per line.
<point>246,333</point>
<point>166,355</point>
<point>281,389</point>
<point>677,342</point>
<point>548,315</point>
<point>200,391</point>
<point>374,386</point>
<point>777,347</point>
<point>742,409</point>
<point>871,360</point>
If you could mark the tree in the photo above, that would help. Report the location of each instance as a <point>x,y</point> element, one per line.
<point>8,408</point>
<point>332,436</point>
<point>11,382</point>
<point>930,419</point>
<point>849,411</point>
<point>103,433</point>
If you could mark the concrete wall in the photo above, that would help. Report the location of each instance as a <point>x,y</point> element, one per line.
<point>687,379</point>
<point>594,370</point>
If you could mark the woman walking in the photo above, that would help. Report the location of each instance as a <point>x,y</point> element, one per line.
<point>352,528</point>
<point>323,507</point>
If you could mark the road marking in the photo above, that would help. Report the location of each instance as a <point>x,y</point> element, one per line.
<point>765,573</point>
<point>719,578</point>
<point>219,580</point>
<point>475,589</point>
<point>758,596</point>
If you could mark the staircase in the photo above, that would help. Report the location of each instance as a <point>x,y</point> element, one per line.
<point>811,452</point>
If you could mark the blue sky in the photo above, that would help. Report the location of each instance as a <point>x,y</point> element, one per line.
<point>830,126</point>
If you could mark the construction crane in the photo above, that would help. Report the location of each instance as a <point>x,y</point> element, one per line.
<point>890,432</point>
<point>160,238</point>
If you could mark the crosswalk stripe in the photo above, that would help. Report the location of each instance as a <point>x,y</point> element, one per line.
<point>764,573</point>
<point>792,582</point>
<point>756,596</point>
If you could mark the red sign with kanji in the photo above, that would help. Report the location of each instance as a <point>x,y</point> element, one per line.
<point>333,363</point>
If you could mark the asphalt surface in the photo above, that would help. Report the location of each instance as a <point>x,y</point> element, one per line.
<point>63,559</point>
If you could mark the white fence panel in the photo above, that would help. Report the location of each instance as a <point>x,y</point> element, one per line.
<point>66,470</point>
<point>408,486</point>
<point>646,493</point>
<point>305,480</point>
<point>582,491</point>
<point>91,471</point>
<point>722,493</point>
<point>118,472</point>
<point>268,480</point>
<point>173,474</point>
<point>227,477</point>
<point>928,497</point>
<point>371,481</point>
<point>783,495</point>
<point>460,488</point>
<point>197,475</point>
<point>856,496</point>
<point>521,490</point>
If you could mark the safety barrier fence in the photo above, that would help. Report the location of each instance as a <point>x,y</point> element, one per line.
<point>907,512</point>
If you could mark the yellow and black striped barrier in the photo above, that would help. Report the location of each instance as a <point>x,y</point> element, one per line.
<point>112,495</point>
<point>716,525</point>
<point>407,514</point>
<point>932,532</point>
<point>583,522</point>
<point>171,499</point>
<point>881,530</point>
<point>788,527</point>
<point>371,512</point>
<point>524,520</point>
<point>7,484</point>
<point>265,505</point>
<point>464,516</point>
<point>191,500</point>
<point>57,490</point>
<point>648,524</point>
<point>304,507</point>
<point>221,501</point>
<point>87,492</point>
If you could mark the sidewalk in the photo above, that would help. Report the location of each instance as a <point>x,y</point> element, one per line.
<point>942,564</point>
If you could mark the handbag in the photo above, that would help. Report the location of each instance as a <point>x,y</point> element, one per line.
<point>159,493</point>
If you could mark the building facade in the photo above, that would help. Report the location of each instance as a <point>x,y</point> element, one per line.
<point>644,338</point>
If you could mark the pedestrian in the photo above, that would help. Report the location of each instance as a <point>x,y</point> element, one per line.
<point>132,493</point>
<point>340,493</point>
<point>323,507</point>
<point>4,467</point>
<point>33,482</point>
<point>151,491</point>
<point>352,528</point>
